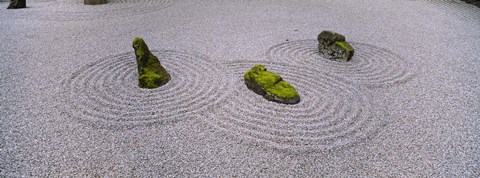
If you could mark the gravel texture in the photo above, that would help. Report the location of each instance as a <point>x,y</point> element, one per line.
<point>407,105</point>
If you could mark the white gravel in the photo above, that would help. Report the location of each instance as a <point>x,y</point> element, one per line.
<point>407,106</point>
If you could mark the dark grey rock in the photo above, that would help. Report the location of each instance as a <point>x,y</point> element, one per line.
<point>333,46</point>
<point>16,4</point>
<point>473,2</point>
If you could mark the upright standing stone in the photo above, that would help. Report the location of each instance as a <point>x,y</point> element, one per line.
<point>150,73</point>
<point>333,46</point>
<point>270,85</point>
<point>15,4</point>
<point>95,2</point>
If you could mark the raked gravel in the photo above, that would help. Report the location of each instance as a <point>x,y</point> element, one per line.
<point>406,106</point>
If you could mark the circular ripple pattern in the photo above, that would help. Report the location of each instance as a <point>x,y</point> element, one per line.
<point>457,8</point>
<point>461,10</point>
<point>331,114</point>
<point>112,5</point>
<point>75,10</point>
<point>370,66</point>
<point>106,92</point>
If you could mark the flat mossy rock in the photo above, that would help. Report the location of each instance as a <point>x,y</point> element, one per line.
<point>333,46</point>
<point>150,73</point>
<point>95,2</point>
<point>270,85</point>
<point>16,4</point>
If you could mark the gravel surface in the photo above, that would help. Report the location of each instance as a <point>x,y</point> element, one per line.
<point>407,105</point>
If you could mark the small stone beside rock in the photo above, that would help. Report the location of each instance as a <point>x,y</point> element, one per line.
<point>333,46</point>
<point>270,85</point>
<point>151,73</point>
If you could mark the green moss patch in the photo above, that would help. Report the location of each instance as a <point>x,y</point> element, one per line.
<point>270,85</point>
<point>95,2</point>
<point>344,45</point>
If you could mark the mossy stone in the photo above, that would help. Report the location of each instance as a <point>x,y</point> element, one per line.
<point>151,73</point>
<point>330,37</point>
<point>333,46</point>
<point>270,85</point>
<point>347,50</point>
<point>94,2</point>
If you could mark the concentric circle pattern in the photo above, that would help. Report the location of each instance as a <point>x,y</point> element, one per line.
<point>106,92</point>
<point>457,8</point>
<point>75,10</point>
<point>41,0</point>
<point>460,10</point>
<point>332,112</point>
<point>112,5</point>
<point>370,66</point>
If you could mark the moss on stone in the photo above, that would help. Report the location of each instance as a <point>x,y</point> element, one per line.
<point>95,2</point>
<point>270,85</point>
<point>283,89</point>
<point>344,45</point>
<point>140,46</point>
<point>151,73</point>
<point>149,80</point>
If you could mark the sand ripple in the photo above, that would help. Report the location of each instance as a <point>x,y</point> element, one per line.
<point>105,93</point>
<point>76,11</point>
<point>371,66</point>
<point>332,112</point>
